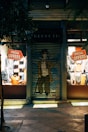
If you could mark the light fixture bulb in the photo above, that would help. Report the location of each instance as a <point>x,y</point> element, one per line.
<point>47,6</point>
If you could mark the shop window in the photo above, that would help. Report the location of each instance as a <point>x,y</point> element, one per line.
<point>77,66</point>
<point>13,64</point>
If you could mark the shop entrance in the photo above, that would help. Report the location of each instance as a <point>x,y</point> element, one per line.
<point>46,70</point>
<point>46,43</point>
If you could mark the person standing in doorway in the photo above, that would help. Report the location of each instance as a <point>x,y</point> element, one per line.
<point>44,73</point>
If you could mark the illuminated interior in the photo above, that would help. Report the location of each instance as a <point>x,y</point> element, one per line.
<point>79,103</point>
<point>13,64</point>
<point>77,63</point>
<point>45,105</point>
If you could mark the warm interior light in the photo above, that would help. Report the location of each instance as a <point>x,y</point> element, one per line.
<point>45,106</point>
<point>13,106</point>
<point>79,103</point>
<point>73,40</point>
<point>76,40</point>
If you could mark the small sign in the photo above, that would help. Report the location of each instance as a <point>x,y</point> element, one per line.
<point>79,55</point>
<point>47,35</point>
<point>15,54</point>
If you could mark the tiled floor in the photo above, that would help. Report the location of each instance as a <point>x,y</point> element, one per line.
<point>64,118</point>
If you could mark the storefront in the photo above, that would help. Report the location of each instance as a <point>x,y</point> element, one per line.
<point>20,65</point>
<point>68,64</point>
<point>64,73</point>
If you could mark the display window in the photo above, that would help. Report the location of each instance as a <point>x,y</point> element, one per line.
<point>77,66</point>
<point>13,64</point>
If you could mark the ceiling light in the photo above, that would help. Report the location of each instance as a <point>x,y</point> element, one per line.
<point>47,6</point>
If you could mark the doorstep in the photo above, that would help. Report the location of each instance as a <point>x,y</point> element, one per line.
<point>49,101</point>
<point>8,102</point>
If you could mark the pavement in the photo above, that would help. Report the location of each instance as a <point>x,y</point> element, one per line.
<point>28,118</point>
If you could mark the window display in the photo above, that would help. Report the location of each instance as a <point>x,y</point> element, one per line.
<point>13,65</point>
<point>77,66</point>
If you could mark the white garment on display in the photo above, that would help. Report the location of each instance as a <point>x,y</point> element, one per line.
<point>72,76</point>
<point>86,66</point>
<point>78,77</point>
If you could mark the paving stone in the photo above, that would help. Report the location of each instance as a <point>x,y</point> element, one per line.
<point>65,118</point>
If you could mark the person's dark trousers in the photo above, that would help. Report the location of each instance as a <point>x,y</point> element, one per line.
<point>46,82</point>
